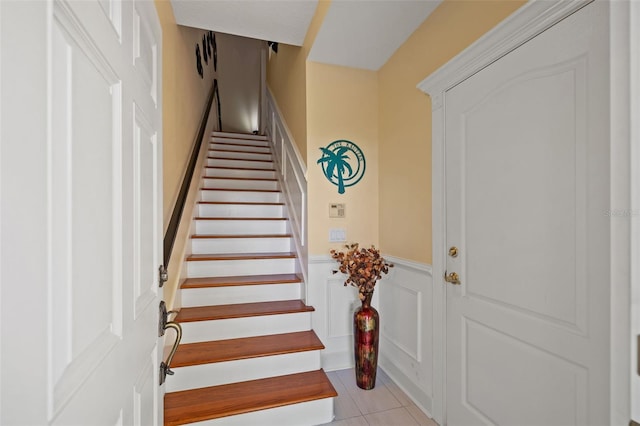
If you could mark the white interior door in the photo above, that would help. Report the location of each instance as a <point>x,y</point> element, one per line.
<point>527,193</point>
<point>81,233</point>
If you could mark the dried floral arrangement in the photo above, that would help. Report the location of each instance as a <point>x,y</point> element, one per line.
<point>363,267</point>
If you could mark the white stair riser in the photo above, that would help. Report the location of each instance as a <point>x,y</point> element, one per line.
<point>240,196</point>
<point>239,155</point>
<point>240,210</point>
<point>238,136</point>
<point>317,412</point>
<point>240,294</point>
<point>230,226</point>
<point>258,174</point>
<point>240,147</point>
<point>239,152</point>
<point>221,373</point>
<point>240,184</point>
<point>227,268</point>
<point>236,328</point>
<point>225,162</point>
<point>240,245</point>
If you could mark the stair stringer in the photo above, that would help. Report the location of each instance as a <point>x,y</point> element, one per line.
<point>177,266</point>
<point>292,178</point>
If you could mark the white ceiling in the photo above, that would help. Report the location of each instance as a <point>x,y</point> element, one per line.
<point>284,21</point>
<point>355,33</point>
<point>365,33</point>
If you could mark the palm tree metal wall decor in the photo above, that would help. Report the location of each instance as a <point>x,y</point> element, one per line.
<point>343,164</point>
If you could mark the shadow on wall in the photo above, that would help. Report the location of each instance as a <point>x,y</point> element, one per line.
<point>239,76</point>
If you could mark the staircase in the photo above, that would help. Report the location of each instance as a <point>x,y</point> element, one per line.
<point>248,355</point>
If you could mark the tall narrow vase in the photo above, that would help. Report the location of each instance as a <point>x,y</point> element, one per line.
<point>365,332</point>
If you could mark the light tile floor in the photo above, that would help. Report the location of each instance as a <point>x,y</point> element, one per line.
<point>384,405</point>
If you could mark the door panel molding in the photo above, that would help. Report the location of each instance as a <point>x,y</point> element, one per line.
<point>564,86</point>
<point>145,217</point>
<point>84,334</point>
<point>566,376</point>
<point>529,21</point>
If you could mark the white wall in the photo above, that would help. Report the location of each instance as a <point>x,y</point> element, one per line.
<point>239,74</point>
<point>403,299</point>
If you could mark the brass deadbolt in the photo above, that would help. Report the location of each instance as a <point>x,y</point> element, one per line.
<point>452,278</point>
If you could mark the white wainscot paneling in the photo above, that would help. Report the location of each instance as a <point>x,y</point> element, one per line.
<point>332,319</point>
<point>402,323</point>
<point>292,176</point>
<point>406,337</point>
<point>403,298</point>
<point>295,187</point>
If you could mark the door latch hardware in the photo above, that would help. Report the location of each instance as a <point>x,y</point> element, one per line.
<point>453,251</point>
<point>164,372</point>
<point>165,366</point>
<point>164,318</point>
<point>163,275</point>
<point>452,278</point>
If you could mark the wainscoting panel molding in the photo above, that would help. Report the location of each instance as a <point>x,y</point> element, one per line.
<point>403,298</point>
<point>406,337</point>
<point>292,175</point>
<point>332,319</point>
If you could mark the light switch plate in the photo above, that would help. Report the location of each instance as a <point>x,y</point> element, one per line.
<point>337,235</point>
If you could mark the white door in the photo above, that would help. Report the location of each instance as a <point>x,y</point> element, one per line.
<point>80,158</point>
<point>527,193</point>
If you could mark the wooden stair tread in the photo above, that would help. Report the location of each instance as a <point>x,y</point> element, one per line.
<point>236,398</point>
<point>238,144</point>
<point>241,310</point>
<point>241,236</point>
<point>241,203</point>
<point>240,168</point>
<point>244,348</point>
<point>212,150</point>
<point>239,218</point>
<point>235,135</point>
<point>240,178</point>
<point>239,190</point>
<point>237,139</point>
<point>240,280</point>
<point>241,256</point>
<point>239,159</point>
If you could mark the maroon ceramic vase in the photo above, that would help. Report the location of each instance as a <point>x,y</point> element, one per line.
<point>365,332</point>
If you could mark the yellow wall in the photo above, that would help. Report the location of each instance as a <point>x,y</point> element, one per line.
<point>286,77</point>
<point>184,95</point>
<point>287,80</point>
<point>405,120</point>
<point>342,103</point>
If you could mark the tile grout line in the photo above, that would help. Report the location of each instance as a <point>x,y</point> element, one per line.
<point>382,381</point>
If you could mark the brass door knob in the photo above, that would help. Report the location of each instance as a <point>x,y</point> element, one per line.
<point>453,251</point>
<point>452,278</point>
